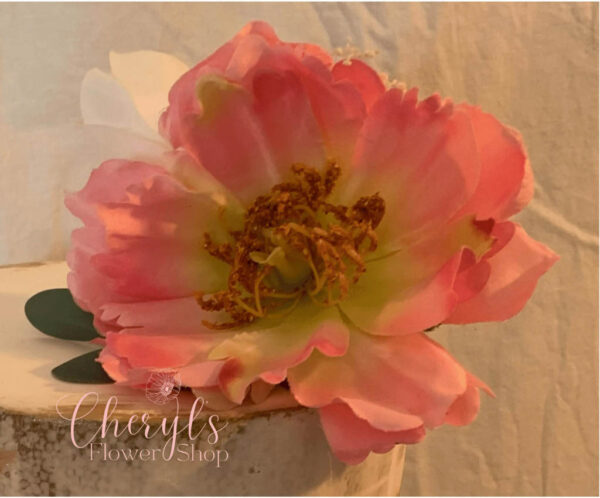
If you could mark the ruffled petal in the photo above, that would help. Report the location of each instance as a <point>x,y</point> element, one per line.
<point>158,352</point>
<point>143,237</point>
<point>337,106</point>
<point>364,79</point>
<point>419,285</point>
<point>279,115</point>
<point>169,335</point>
<point>232,60</point>
<point>352,438</point>
<point>464,410</point>
<point>172,316</point>
<point>422,158</point>
<point>516,263</point>
<point>420,383</point>
<point>506,182</point>
<point>268,353</point>
<point>287,119</point>
<point>422,306</point>
<point>121,371</point>
<point>227,138</point>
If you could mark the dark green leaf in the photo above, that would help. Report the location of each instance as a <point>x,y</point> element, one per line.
<point>82,370</point>
<point>54,313</point>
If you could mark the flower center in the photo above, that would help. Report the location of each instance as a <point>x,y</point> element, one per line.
<point>294,243</point>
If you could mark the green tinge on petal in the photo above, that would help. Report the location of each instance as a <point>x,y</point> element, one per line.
<point>274,344</point>
<point>213,92</point>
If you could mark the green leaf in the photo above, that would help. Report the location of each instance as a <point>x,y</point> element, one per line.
<point>82,370</point>
<point>54,313</point>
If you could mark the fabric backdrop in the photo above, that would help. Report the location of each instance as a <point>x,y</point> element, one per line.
<point>535,66</point>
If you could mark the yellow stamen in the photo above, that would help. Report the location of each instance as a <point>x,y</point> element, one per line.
<point>294,239</point>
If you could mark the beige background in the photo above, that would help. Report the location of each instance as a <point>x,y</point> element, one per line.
<point>534,65</point>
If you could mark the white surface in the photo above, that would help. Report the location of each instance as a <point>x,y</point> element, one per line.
<point>533,65</point>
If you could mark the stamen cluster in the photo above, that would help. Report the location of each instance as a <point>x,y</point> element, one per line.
<point>327,240</point>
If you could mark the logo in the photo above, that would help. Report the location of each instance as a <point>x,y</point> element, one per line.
<point>190,438</point>
<point>163,387</point>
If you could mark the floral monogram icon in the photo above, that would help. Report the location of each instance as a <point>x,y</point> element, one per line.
<point>163,387</point>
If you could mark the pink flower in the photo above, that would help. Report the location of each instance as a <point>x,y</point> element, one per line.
<point>308,226</point>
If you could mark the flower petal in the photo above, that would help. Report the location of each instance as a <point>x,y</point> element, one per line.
<point>172,316</point>
<point>364,79</point>
<point>105,102</point>
<point>163,335</point>
<point>421,380</point>
<point>516,263</point>
<point>418,286</point>
<point>246,168</point>
<point>121,371</point>
<point>506,183</point>
<point>143,235</point>
<point>158,352</point>
<point>352,438</point>
<point>231,60</point>
<point>269,352</point>
<point>337,106</point>
<point>287,120</point>
<point>147,76</point>
<point>464,410</point>
<point>428,305</point>
<point>421,157</point>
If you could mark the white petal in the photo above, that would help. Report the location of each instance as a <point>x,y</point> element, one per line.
<point>147,76</point>
<point>105,102</point>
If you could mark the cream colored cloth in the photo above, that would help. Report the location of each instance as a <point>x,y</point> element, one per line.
<point>533,65</point>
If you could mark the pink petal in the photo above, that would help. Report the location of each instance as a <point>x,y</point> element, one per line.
<point>182,97</point>
<point>260,390</point>
<point>287,120</point>
<point>471,277</point>
<point>121,371</point>
<point>340,112</point>
<point>203,373</point>
<point>173,316</point>
<point>337,106</point>
<point>420,380</point>
<point>277,102</point>
<point>163,335</point>
<point>419,285</point>
<point>89,287</point>
<point>421,157</point>
<point>506,183</point>
<point>364,79</point>
<point>464,410</point>
<point>108,183</point>
<point>422,306</point>
<point>232,60</point>
<point>142,239</point>
<point>282,113</point>
<point>352,438</point>
<point>269,353</point>
<point>516,263</point>
<point>114,366</point>
<point>157,352</point>
<point>227,138</point>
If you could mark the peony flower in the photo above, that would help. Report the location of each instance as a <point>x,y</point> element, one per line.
<point>301,225</point>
